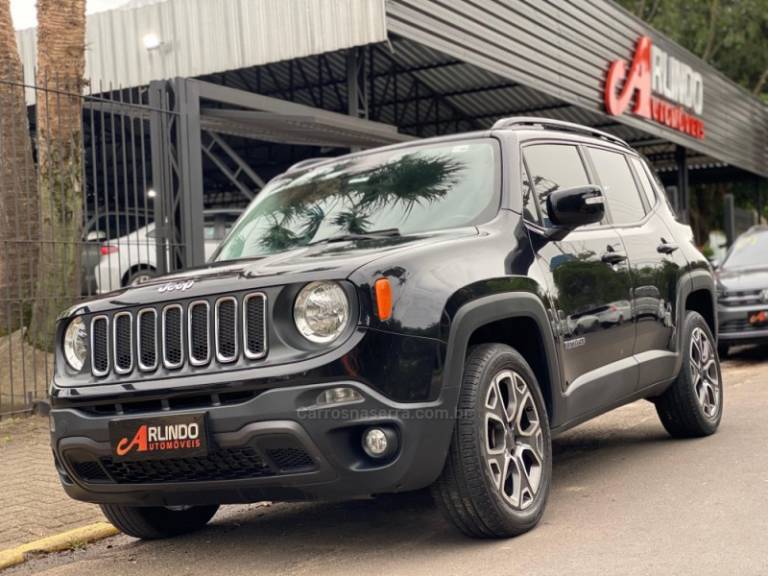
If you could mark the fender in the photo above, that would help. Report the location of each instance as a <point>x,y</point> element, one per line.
<point>484,310</point>
<point>699,279</point>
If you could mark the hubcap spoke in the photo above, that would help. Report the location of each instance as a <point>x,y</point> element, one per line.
<point>514,439</point>
<point>704,373</point>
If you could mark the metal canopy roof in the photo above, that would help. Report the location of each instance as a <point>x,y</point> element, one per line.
<point>407,83</point>
<point>562,50</point>
<point>320,128</point>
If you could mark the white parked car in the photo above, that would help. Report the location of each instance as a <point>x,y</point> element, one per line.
<point>132,258</point>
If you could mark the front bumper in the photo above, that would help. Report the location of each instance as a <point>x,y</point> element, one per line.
<point>734,326</point>
<point>320,453</point>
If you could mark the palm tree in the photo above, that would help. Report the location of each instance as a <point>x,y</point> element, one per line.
<point>60,68</point>
<point>17,181</point>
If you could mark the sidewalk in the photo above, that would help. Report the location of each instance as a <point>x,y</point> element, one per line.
<point>33,502</point>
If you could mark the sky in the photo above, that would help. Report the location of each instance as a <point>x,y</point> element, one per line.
<point>24,12</point>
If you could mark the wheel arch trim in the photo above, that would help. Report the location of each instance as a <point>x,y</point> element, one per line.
<point>493,308</point>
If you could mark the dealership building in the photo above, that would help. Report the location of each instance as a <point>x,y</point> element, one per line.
<point>257,85</point>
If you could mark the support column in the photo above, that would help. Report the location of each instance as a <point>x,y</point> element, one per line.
<point>683,191</point>
<point>729,215</point>
<point>357,95</point>
<point>191,169</point>
<point>160,126</point>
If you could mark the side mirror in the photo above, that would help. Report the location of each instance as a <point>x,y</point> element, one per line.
<point>577,206</point>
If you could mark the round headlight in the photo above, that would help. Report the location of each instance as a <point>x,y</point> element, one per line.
<point>75,344</point>
<point>321,311</point>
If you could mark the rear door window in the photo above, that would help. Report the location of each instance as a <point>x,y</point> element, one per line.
<point>619,187</point>
<point>645,181</point>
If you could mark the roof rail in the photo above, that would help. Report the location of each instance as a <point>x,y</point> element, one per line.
<point>527,121</point>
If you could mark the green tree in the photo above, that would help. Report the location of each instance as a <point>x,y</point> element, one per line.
<point>18,194</point>
<point>731,35</point>
<point>60,68</point>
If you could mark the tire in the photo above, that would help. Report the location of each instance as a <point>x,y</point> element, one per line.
<point>149,523</point>
<point>693,405</point>
<point>470,490</point>
<point>723,350</point>
<point>138,276</point>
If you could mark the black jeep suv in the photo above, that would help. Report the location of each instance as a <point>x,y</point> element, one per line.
<point>427,314</point>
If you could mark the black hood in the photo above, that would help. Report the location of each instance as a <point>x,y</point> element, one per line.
<point>327,261</point>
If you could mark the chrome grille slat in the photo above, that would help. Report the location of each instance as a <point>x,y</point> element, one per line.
<point>255,326</point>
<point>173,336</point>
<point>100,346</point>
<point>146,336</point>
<point>198,332</point>
<point>225,320</point>
<point>122,342</point>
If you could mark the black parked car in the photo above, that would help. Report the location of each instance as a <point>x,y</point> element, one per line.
<point>742,285</point>
<point>389,320</point>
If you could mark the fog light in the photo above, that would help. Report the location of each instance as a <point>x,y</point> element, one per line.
<point>379,442</point>
<point>341,395</point>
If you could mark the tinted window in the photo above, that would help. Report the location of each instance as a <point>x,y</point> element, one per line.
<point>414,189</point>
<point>553,167</point>
<point>645,181</point>
<point>619,186</point>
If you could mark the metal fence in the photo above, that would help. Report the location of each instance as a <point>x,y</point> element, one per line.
<point>74,224</point>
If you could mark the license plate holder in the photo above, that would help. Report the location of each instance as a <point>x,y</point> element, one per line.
<point>159,437</point>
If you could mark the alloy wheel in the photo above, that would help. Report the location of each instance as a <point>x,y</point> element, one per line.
<point>514,441</point>
<point>704,373</point>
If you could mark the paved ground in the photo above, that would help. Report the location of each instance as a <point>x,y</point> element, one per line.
<point>626,500</point>
<point>33,502</point>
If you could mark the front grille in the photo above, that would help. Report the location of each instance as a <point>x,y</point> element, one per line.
<point>199,340</point>
<point>123,342</point>
<point>231,464</point>
<point>742,298</point>
<point>196,333</point>
<point>226,330</point>
<point>91,471</point>
<point>253,326</point>
<point>100,346</point>
<point>741,326</point>
<point>173,337</point>
<point>180,402</point>
<point>146,330</point>
<point>293,459</point>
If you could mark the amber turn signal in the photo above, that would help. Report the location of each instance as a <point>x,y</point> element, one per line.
<point>383,298</point>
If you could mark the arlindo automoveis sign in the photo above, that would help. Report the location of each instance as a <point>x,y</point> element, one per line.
<point>666,90</point>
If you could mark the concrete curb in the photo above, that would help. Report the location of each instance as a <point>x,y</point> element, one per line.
<point>57,543</point>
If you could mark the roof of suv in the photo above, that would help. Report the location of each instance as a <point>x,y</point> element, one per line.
<point>528,123</point>
<point>533,122</point>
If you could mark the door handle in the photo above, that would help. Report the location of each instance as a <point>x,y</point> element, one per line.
<point>613,257</point>
<point>666,248</point>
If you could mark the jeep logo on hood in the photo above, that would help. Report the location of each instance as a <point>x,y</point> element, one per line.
<point>172,286</point>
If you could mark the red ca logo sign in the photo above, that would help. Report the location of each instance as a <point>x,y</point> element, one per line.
<point>139,442</point>
<point>638,80</point>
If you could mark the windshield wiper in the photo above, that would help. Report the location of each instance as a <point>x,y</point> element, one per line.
<point>383,233</point>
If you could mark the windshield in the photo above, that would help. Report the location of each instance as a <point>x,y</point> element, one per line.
<point>749,250</point>
<point>402,191</point>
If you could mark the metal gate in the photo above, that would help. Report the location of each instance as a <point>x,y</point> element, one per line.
<point>128,228</point>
